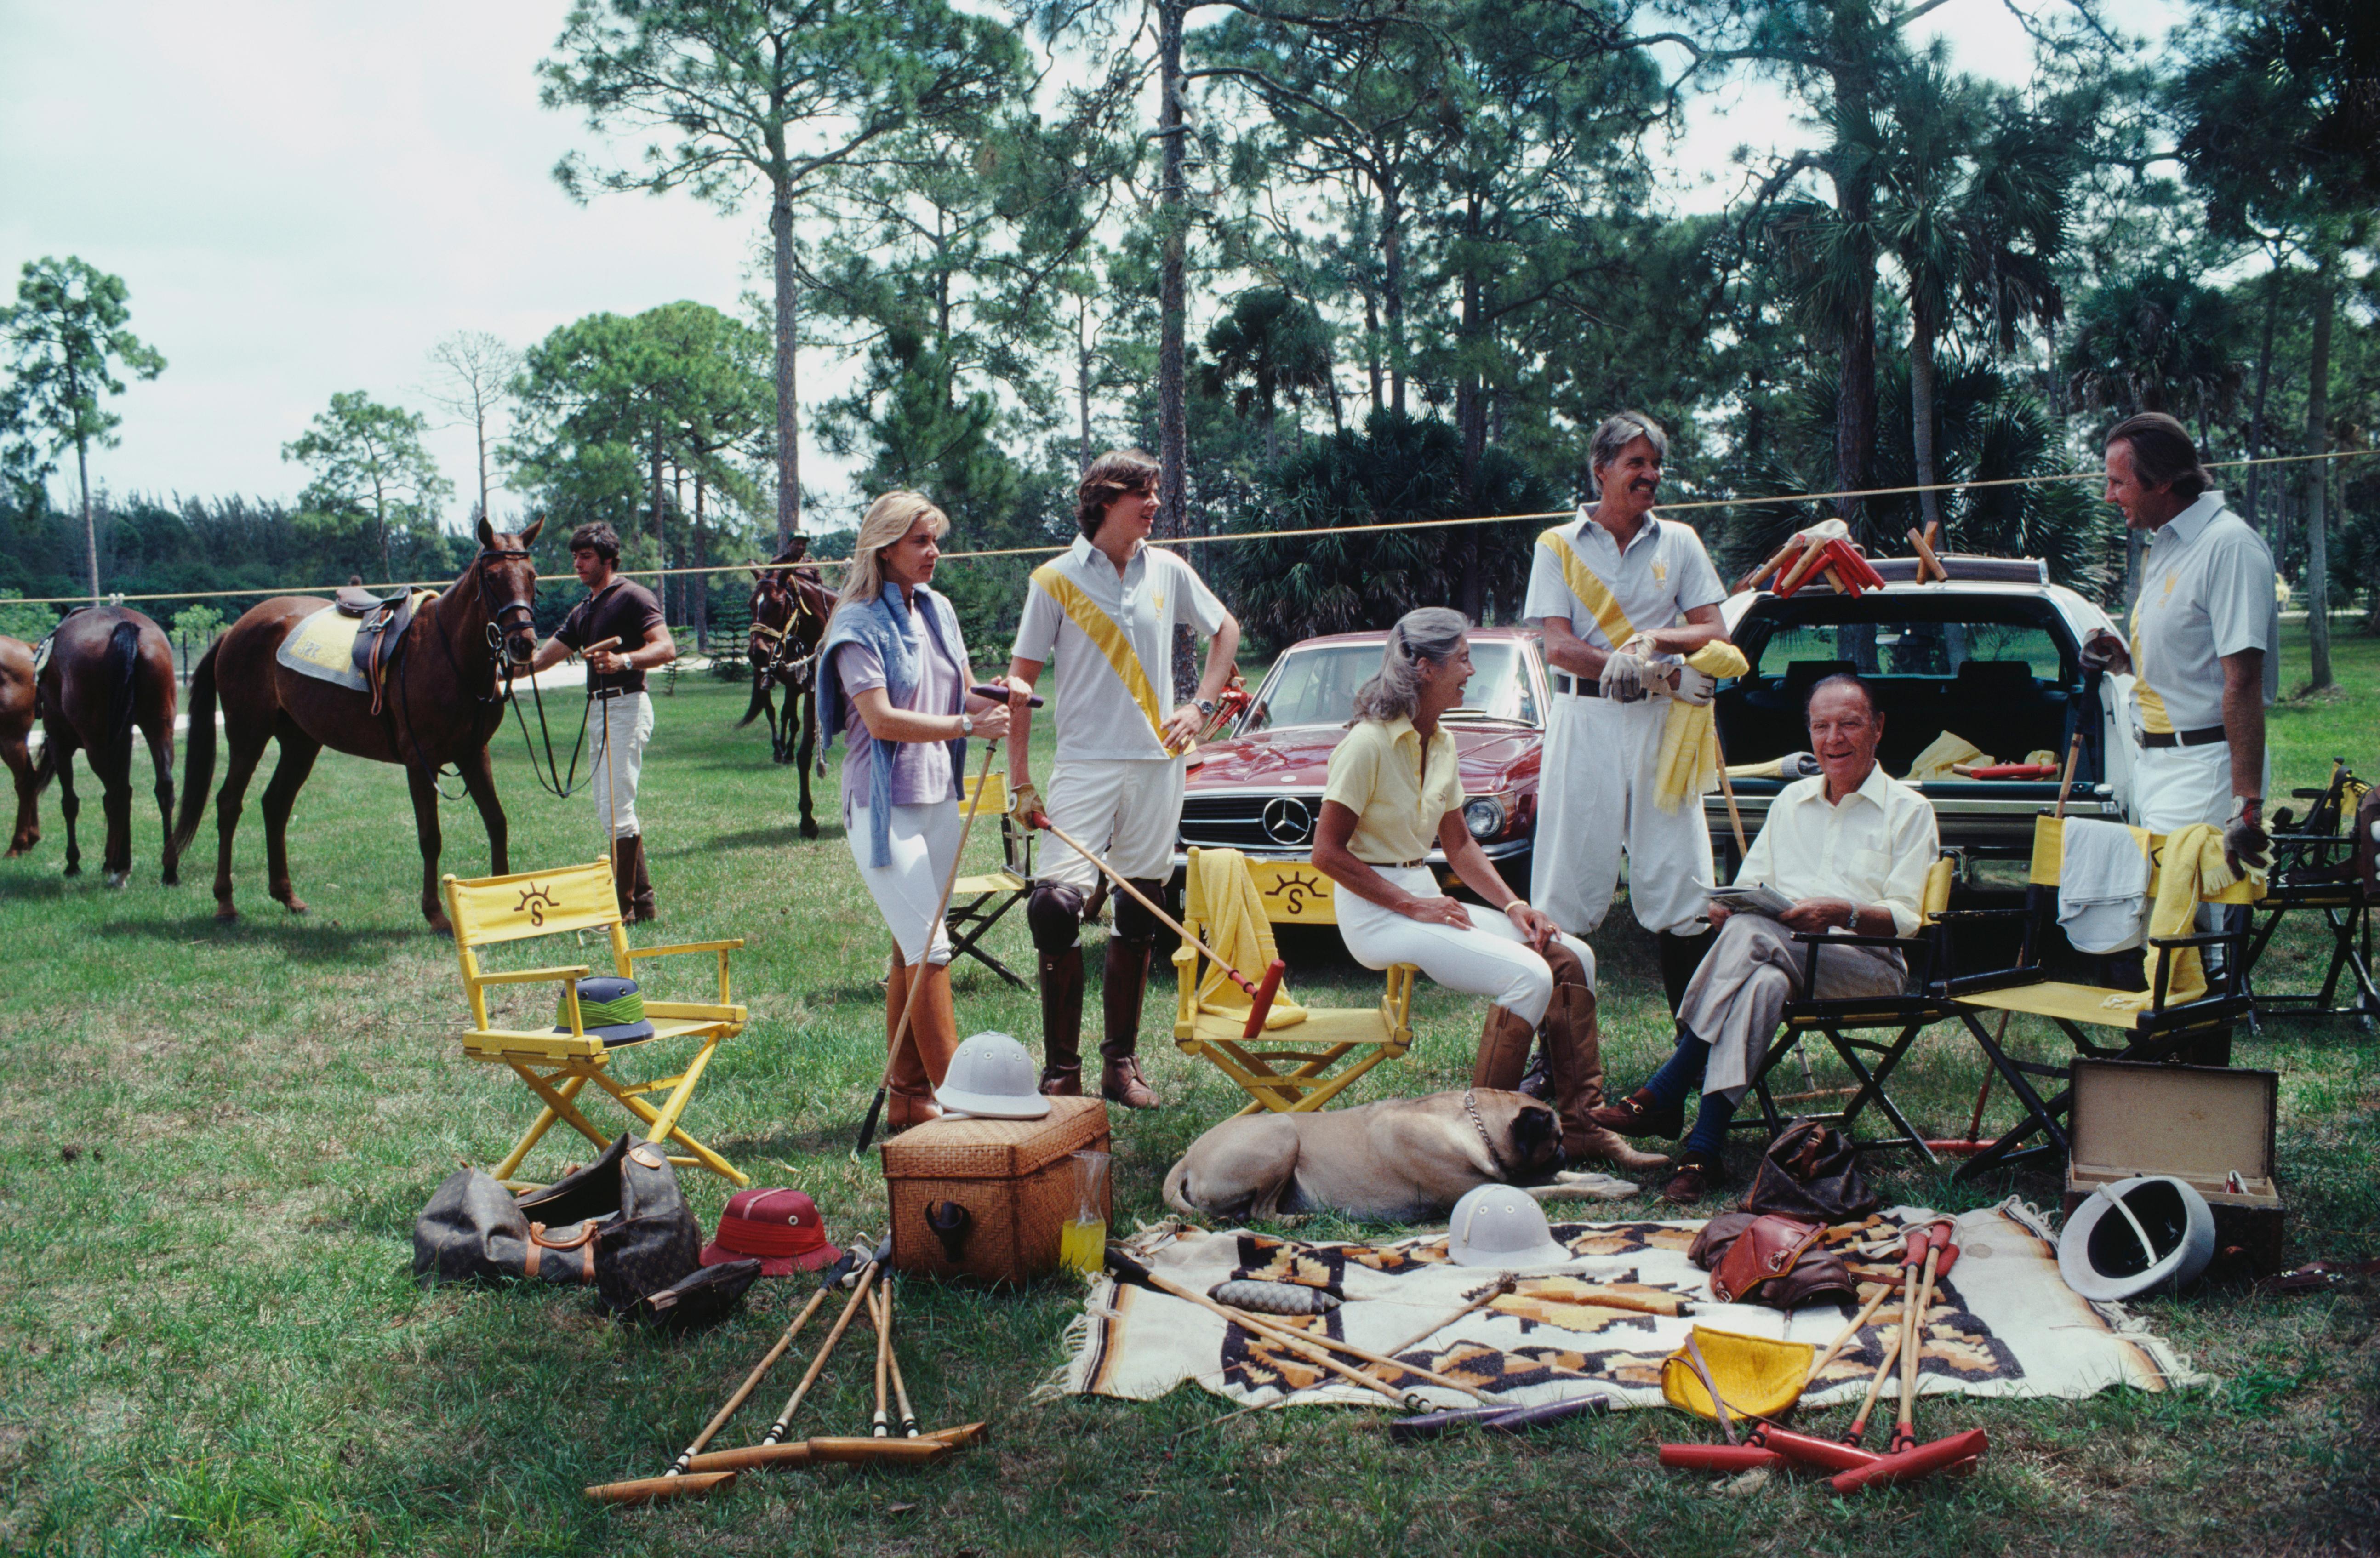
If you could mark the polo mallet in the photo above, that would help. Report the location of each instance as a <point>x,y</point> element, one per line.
<point>1912,1358</point>
<point>774,1438</point>
<point>1805,1450</point>
<point>1883,1292</point>
<point>1494,1419</point>
<point>901,1389</point>
<point>924,955</point>
<point>1720,1457</point>
<point>1261,993</point>
<point>1000,695</point>
<point>879,1304</point>
<point>1129,1270</point>
<point>923,1449</point>
<point>676,1482</point>
<point>1874,1387</point>
<point>1727,789</point>
<point>1503,1285</point>
<point>1959,1452</point>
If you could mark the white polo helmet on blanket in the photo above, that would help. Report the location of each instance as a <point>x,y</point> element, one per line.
<point>1498,1226</point>
<point>2137,1233</point>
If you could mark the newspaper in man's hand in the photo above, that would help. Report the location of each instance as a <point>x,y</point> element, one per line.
<point>1756,898</point>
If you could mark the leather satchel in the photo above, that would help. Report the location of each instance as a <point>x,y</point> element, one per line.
<point>1811,1172</point>
<point>1764,1258</point>
<point>651,1241</point>
<point>473,1230</point>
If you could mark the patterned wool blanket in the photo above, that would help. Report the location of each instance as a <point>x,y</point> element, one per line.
<point>2003,1323</point>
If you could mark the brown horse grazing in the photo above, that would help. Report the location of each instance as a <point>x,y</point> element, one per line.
<point>790,606</point>
<point>110,669</point>
<point>15,729</point>
<point>444,700</point>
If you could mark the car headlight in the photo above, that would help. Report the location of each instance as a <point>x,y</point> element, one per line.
<point>1484,817</point>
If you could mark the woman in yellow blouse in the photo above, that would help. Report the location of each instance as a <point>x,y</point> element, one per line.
<point>1394,788</point>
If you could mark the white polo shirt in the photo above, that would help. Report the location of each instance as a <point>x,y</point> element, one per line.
<point>1663,574</point>
<point>1095,713</point>
<point>2206,591</point>
<point>1874,849</point>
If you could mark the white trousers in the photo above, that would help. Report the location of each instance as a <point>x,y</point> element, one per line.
<point>619,728</point>
<point>1491,959</point>
<point>925,843</point>
<point>2174,787</point>
<point>1738,995</point>
<point>1595,802</point>
<point>1128,809</point>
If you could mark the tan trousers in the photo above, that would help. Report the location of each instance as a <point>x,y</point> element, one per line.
<point>1738,996</point>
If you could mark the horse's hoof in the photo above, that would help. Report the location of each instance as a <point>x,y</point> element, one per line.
<point>73,869</point>
<point>225,913</point>
<point>170,878</point>
<point>115,878</point>
<point>809,830</point>
<point>439,925</point>
<point>294,904</point>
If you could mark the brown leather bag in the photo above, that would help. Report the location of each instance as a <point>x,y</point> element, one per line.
<point>1764,1258</point>
<point>1811,1172</point>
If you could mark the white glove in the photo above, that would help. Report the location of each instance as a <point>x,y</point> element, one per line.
<point>2245,842</point>
<point>1694,687</point>
<point>1624,677</point>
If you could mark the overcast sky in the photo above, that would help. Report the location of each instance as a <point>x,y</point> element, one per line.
<point>303,198</point>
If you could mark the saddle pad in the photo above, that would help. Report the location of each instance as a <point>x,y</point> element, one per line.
<point>323,646</point>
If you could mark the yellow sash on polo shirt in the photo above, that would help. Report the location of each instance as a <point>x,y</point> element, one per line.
<point>1590,588</point>
<point>2154,718</point>
<point>1102,629</point>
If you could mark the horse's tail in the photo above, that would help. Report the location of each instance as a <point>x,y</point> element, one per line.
<point>199,749</point>
<point>46,765</point>
<point>124,672</point>
<point>759,697</point>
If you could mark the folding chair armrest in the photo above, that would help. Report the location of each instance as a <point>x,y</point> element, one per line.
<point>2210,938</point>
<point>1947,917</point>
<point>1833,938</point>
<point>733,945</point>
<point>532,976</point>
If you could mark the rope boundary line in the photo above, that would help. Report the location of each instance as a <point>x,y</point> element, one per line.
<point>1689,506</point>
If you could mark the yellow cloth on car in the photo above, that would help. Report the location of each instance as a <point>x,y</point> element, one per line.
<point>2192,869</point>
<point>1935,761</point>
<point>1689,764</point>
<point>1237,928</point>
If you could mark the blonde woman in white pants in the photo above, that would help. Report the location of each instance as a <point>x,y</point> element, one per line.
<point>1393,787</point>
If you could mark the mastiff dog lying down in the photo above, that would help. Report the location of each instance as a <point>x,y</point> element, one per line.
<point>1405,1159</point>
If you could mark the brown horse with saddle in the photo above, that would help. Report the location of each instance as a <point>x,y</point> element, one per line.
<point>425,686</point>
<point>790,607</point>
<point>104,672</point>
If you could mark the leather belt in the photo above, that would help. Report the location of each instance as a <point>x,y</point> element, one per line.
<point>2204,737</point>
<point>614,692</point>
<point>1577,687</point>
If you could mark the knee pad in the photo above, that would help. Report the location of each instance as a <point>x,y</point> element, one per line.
<point>1053,913</point>
<point>1133,921</point>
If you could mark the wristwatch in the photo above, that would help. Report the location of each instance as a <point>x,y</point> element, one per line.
<point>967,724</point>
<point>1204,705</point>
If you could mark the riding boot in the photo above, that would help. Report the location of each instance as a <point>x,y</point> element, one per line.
<point>1061,1023</point>
<point>925,1057</point>
<point>1574,1048</point>
<point>1536,1082</point>
<point>1121,984</point>
<point>1681,957</point>
<point>642,904</point>
<point>1503,1049</point>
<point>625,852</point>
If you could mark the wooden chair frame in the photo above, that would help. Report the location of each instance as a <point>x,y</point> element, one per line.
<point>1917,1007</point>
<point>1289,1070</point>
<point>557,1067</point>
<point>2160,1031</point>
<point>978,903</point>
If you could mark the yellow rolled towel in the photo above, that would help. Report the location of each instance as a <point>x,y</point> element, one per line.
<point>1689,763</point>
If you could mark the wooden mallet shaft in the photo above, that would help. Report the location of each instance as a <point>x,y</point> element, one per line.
<point>1260,993</point>
<point>1914,1349</point>
<point>1132,1270</point>
<point>826,1349</point>
<point>2066,785</point>
<point>1876,1386</point>
<point>880,1311</point>
<point>1503,1284</point>
<point>1883,1292</point>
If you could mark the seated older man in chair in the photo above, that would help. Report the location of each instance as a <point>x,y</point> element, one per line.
<point>1851,848</point>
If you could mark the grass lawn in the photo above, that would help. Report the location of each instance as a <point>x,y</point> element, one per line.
<point>213,1341</point>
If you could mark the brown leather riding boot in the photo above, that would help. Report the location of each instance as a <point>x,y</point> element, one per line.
<point>1061,1023</point>
<point>1574,1060</point>
<point>625,852</point>
<point>1503,1049</point>
<point>925,1057</point>
<point>641,905</point>
<point>1122,983</point>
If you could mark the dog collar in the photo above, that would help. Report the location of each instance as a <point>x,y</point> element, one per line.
<point>1471,1107</point>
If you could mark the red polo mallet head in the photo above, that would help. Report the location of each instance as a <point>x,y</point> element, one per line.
<point>1260,997</point>
<point>1719,1457</point>
<point>1961,1449</point>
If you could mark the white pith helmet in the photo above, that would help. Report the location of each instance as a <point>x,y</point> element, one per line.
<point>2147,1231</point>
<point>1498,1226</point>
<point>991,1076</point>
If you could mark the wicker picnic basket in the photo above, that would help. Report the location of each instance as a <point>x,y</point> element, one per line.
<point>999,1188</point>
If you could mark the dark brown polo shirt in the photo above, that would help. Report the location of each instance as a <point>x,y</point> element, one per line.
<point>622,609</point>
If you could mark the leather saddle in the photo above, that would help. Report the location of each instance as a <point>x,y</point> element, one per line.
<point>377,636</point>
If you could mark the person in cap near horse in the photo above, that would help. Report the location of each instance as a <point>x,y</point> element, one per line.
<point>1851,847</point>
<point>1394,788</point>
<point>1618,593</point>
<point>1107,610</point>
<point>892,681</point>
<point>616,607</point>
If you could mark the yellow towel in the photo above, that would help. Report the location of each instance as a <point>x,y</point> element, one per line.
<point>1236,927</point>
<point>2192,869</point>
<point>1690,739</point>
<point>1935,761</point>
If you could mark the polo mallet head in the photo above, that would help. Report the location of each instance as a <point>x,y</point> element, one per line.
<point>1000,694</point>
<point>652,1489</point>
<point>1261,998</point>
<point>1719,1457</point>
<point>1802,1447</point>
<point>1959,1450</point>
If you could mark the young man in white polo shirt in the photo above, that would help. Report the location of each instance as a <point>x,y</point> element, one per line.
<point>2204,631</point>
<point>1105,610</point>
<point>1616,592</point>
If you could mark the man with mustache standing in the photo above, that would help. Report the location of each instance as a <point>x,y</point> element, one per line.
<point>1621,598</point>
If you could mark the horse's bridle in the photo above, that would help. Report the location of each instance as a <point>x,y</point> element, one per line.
<point>495,611</point>
<point>778,639</point>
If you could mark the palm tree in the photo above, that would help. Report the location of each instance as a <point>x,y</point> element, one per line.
<point>1274,347</point>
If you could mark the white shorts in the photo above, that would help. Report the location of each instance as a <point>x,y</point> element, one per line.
<point>2174,787</point>
<point>1128,809</point>
<point>1489,959</point>
<point>619,727</point>
<point>925,842</point>
<point>1595,802</point>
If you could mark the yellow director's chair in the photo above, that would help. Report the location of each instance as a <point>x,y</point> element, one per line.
<point>558,1065</point>
<point>978,903</point>
<point>2159,1030</point>
<point>1287,1070</point>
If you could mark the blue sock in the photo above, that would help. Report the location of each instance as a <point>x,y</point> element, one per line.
<point>1710,1126</point>
<point>1681,1072</point>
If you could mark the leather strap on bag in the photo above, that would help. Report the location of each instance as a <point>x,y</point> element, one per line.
<point>584,1243</point>
<point>1766,1251</point>
<point>1102,629</point>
